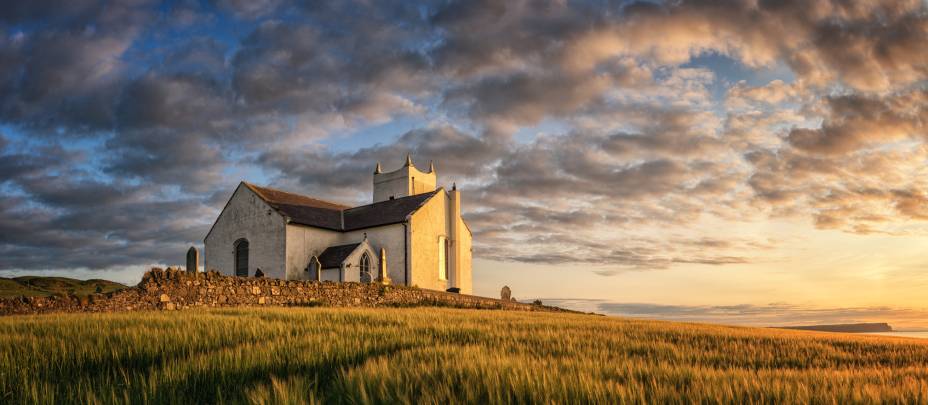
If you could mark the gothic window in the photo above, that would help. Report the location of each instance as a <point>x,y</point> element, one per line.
<point>365,268</point>
<point>241,257</point>
<point>442,258</point>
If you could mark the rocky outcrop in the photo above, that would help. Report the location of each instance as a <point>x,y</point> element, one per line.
<point>176,289</point>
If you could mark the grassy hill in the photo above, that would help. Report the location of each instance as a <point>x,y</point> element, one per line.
<point>32,286</point>
<point>439,355</point>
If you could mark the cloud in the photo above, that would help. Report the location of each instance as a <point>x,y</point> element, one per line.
<point>776,314</point>
<point>857,121</point>
<point>67,73</point>
<point>579,130</point>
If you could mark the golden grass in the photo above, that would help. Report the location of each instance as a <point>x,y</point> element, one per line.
<point>438,355</point>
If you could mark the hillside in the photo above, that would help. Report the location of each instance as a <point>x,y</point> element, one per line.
<point>440,355</point>
<point>35,286</point>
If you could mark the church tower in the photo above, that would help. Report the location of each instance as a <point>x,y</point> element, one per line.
<point>403,182</point>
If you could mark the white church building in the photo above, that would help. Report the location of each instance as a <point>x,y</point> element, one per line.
<point>412,234</point>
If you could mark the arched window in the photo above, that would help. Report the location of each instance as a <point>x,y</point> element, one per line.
<point>365,268</point>
<point>241,257</point>
<point>314,269</point>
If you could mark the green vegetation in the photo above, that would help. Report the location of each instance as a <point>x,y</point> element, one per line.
<point>32,286</point>
<point>437,355</point>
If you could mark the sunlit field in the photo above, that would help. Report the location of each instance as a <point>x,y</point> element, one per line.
<point>432,355</point>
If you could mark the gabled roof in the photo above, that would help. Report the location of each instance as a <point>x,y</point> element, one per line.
<point>333,256</point>
<point>300,208</point>
<point>384,212</point>
<point>309,211</point>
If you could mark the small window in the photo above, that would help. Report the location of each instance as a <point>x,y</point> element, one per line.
<point>365,268</point>
<point>442,258</point>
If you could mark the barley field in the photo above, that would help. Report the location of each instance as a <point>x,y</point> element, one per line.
<point>437,356</point>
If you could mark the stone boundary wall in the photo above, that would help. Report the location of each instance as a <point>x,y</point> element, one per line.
<point>175,289</point>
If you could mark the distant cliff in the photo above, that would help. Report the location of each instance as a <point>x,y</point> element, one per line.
<point>846,328</point>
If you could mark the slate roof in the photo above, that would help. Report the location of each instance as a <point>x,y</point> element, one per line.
<point>333,256</point>
<point>313,212</point>
<point>384,212</point>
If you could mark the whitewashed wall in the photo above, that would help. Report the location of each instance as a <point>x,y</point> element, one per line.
<point>464,273</point>
<point>428,223</point>
<point>332,275</point>
<point>247,216</point>
<point>405,181</point>
<point>392,238</point>
<point>304,242</point>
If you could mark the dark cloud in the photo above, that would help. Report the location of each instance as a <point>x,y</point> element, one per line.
<point>461,157</point>
<point>202,55</point>
<point>249,8</point>
<point>51,11</point>
<point>59,215</point>
<point>857,121</point>
<point>364,72</point>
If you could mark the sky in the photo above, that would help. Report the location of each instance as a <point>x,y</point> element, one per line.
<point>743,161</point>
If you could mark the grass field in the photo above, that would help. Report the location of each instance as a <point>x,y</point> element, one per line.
<point>433,355</point>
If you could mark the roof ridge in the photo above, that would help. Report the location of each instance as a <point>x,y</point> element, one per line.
<point>343,245</point>
<point>257,189</point>
<point>433,192</point>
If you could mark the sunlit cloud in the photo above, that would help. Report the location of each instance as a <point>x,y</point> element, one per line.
<point>769,315</point>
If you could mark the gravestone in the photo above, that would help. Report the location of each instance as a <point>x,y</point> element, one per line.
<point>505,293</point>
<point>384,278</point>
<point>193,260</point>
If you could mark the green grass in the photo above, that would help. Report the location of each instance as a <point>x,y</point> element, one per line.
<point>32,286</point>
<point>440,355</point>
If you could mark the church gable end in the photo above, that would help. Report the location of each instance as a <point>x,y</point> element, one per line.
<point>246,217</point>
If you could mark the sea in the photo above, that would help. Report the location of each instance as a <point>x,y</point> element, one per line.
<point>919,334</point>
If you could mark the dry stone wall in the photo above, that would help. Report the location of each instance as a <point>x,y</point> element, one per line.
<point>174,289</point>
